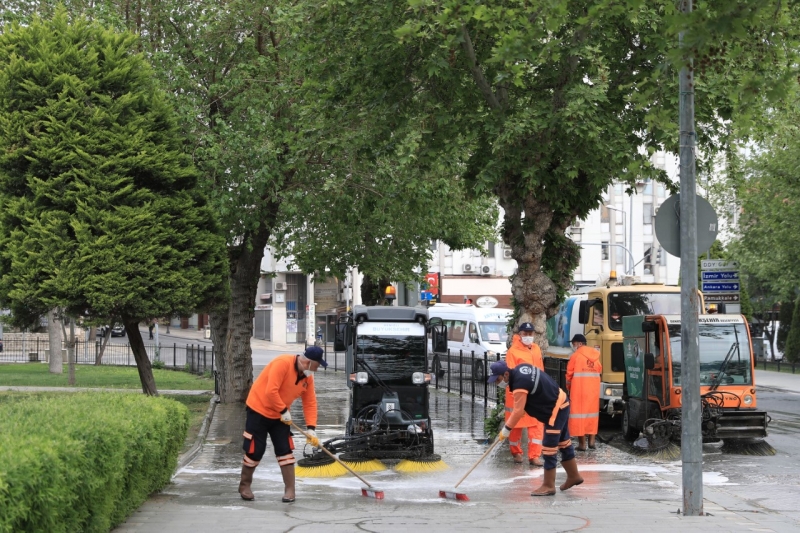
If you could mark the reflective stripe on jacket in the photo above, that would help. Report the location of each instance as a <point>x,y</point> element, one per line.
<point>583,384</point>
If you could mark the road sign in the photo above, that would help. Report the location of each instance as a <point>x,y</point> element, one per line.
<point>720,287</point>
<point>425,295</point>
<point>720,275</point>
<point>718,264</point>
<point>715,297</point>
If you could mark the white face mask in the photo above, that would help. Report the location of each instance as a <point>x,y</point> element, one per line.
<point>308,373</point>
<point>527,341</point>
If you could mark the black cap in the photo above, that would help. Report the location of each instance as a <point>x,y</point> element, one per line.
<point>578,338</point>
<point>498,368</point>
<point>525,326</point>
<point>315,353</point>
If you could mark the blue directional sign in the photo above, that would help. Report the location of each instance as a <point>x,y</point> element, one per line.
<point>720,287</point>
<point>425,295</point>
<point>720,275</point>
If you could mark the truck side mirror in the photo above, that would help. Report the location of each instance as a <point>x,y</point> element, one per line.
<point>649,361</point>
<point>583,311</point>
<point>473,338</point>
<point>721,308</point>
<point>341,337</point>
<point>439,338</point>
<point>648,326</point>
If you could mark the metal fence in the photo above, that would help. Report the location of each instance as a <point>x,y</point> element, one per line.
<point>778,366</point>
<point>194,358</point>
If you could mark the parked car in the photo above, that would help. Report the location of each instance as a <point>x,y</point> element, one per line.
<point>117,331</point>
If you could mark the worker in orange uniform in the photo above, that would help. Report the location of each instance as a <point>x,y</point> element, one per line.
<point>583,386</point>
<point>524,350</point>
<point>285,378</point>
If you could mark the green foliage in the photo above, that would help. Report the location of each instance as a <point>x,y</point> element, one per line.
<point>786,317</point>
<point>494,422</point>
<point>84,462</point>
<point>100,211</point>
<point>792,352</point>
<point>159,364</point>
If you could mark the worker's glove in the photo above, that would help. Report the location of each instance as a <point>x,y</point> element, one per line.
<point>504,433</point>
<point>286,417</point>
<point>311,436</point>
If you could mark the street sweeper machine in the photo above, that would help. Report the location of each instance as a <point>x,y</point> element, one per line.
<point>652,390</point>
<point>387,376</point>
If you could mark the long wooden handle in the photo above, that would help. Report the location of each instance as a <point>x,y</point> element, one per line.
<point>324,449</point>
<point>478,462</point>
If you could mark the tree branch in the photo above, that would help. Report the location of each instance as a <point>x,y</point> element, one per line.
<point>477,73</point>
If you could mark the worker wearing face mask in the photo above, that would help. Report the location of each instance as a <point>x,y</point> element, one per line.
<point>283,380</point>
<point>583,386</point>
<point>524,350</point>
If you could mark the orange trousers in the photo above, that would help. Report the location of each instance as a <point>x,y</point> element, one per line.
<point>535,435</point>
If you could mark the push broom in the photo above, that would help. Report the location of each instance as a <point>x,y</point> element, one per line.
<point>455,495</point>
<point>369,491</point>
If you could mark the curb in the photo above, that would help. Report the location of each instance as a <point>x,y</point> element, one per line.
<point>189,456</point>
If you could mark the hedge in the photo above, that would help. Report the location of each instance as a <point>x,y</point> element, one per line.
<point>83,462</point>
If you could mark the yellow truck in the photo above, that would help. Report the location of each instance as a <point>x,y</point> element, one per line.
<point>597,313</point>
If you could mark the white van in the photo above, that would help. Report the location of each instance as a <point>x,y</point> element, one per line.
<point>482,330</point>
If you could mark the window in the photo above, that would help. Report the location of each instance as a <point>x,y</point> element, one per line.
<point>648,187</point>
<point>604,251</point>
<point>619,254</point>
<point>490,248</point>
<point>473,332</point>
<point>455,330</point>
<point>661,191</point>
<point>647,213</point>
<point>648,259</point>
<point>604,214</point>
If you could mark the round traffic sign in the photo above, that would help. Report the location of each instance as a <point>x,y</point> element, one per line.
<point>668,228</point>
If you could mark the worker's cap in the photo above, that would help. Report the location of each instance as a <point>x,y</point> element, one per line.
<point>315,353</point>
<point>525,326</point>
<point>578,338</point>
<point>498,368</point>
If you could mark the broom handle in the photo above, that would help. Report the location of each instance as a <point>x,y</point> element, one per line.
<point>478,462</point>
<point>324,449</point>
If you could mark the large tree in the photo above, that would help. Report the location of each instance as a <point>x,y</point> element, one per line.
<point>100,211</point>
<point>546,103</point>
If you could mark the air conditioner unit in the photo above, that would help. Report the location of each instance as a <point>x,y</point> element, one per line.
<point>280,286</point>
<point>467,267</point>
<point>506,246</point>
<point>507,254</point>
<point>577,224</point>
<point>266,296</point>
<point>487,270</point>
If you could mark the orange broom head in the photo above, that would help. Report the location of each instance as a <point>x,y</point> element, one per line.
<point>452,495</point>
<point>372,493</point>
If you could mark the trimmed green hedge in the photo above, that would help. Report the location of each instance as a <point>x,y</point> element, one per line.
<point>85,461</point>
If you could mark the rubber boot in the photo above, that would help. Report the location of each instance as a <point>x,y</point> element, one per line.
<point>287,471</point>
<point>581,444</point>
<point>592,442</point>
<point>246,481</point>
<point>517,457</point>
<point>548,487</point>
<point>573,477</point>
<point>536,461</point>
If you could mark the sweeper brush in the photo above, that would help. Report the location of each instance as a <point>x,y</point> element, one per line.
<point>369,491</point>
<point>454,494</point>
<point>430,463</point>
<point>325,467</point>
<point>747,447</point>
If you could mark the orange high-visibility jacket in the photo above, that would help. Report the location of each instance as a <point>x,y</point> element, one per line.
<point>583,385</point>
<point>516,355</point>
<point>280,384</point>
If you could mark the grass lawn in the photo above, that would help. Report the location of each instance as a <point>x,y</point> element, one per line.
<point>112,377</point>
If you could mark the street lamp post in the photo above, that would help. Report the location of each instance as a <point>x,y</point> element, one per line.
<point>624,237</point>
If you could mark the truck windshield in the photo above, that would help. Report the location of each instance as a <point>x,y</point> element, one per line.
<point>622,304</point>
<point>493,331</point>
<point>725,357</point>
<point>394,358</point>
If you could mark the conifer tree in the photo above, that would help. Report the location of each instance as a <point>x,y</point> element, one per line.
<point>100,211</point>
<point>792,353</point>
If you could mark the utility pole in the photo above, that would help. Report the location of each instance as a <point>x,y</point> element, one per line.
<point>691,438</point>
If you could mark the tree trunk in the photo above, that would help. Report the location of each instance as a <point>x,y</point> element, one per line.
<point>373,291</point>
<point>535,286</point>
<point>99,359</point>
<point>140,355</point>
<point>232,329</point>
<point>54,335</point>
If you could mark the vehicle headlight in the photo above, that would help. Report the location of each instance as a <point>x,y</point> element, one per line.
<point>748,399</point>
<point>418,378</point>
<point>362,378</point>
<point>491,354</point>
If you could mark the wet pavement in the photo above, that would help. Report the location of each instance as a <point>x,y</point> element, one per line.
<point>621,493</point>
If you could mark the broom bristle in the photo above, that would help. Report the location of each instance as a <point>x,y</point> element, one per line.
<point>668,452</point>
<point>367,465</point>
<point>415,466</point>
<point>747,447</point>
<point>327,470</point>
